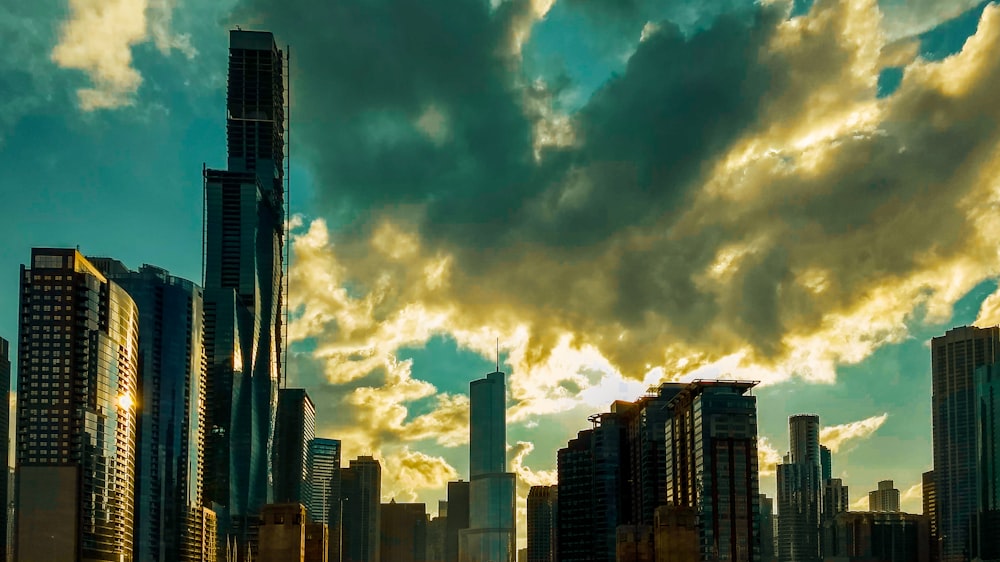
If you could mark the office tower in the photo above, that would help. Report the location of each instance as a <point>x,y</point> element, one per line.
<point>711,441</point>
<point>172,379</point>
<point>954,358</point>
<point>490,536</point>
<point>986,542</point>
<point>323,469</point>
<point>78,363</point>
<point>929,501</point>
<point>4,446</point>
<point>361,490</point>
<point>542,502</point>
<point>767,552</point>
<point>888,537</point>
<point>884,499</point>
<point>294,429</point>
<point>403,532</point>
<point>835,498</point>
<point>825,463</point>
<point>800,492</point>
<point>458,518</point>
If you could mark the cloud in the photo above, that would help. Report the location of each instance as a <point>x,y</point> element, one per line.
<point>526,478</point>
<point>912,499</point>
<point>836,436</point>
<point>860,504</point>
<point>406,473</point>
<point>768,457</point>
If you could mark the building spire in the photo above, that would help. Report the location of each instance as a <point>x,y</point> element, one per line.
<point>498,355</point>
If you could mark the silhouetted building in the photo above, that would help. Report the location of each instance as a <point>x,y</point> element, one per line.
<point>243,264</point>
<point>675,534</point>
<point>78,364</point>
<point>835,498</point>
<point>767,530</point>
<point>987,537</point>
<point>490,536</point>
<point>403,532</point>
<point>542,504</point>
<point>294,429</point>
<point>458,518</point>
<point>172,380</point>
<point>317,542</point>
<point>361,492</point>
<point>884,499</point>
<point>712,466</point>
<point>825,463</point>
<point>800,492</point>
<point>323,474</point>
<point>634,543</point>
<point>5,489</point>
<point>285,535</point>
<point>437,529</point>
<point>954,358</point>
<point>929,498</point>
<point>884,537</point>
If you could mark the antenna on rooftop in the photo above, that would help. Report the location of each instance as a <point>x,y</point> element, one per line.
<point>498,355</point>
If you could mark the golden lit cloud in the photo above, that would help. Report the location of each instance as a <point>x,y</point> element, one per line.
<point>768,457</point>
<point>406,473</point>
<point>835,436</point>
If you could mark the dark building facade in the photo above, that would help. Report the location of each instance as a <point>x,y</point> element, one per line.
<point>361,491</point>
<point>78,363</point>
<point>172,379</point>
<point>711,442</point>
<point>243,260</point>
<point>954,358</point>
<point>403,532</point>
<point>767,529</point>
<point>883,536</point>
<point>987,536</point>
<point>294,429</point>
<point>457,519</point>
<point>836,499</point>
<point>542,513</point>
<point>323,474</point>
<point>800,492</point>
<point>4,446</point>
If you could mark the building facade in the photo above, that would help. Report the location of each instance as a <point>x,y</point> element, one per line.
<point>767,530</point>
<point>172,380</point>
<point>675,534</point>
<point>954,359</point>
<point>457,519</point>
<point>929,504</point>
<point>243,261</point>
<point>836,499</point>
<point>361,492</point>
<point>323,468</point>
<point>885,498</point>
<point>5,522</point>
<point>711,446</point>
<point>885,536</point>
<point>800,492</point>
<point>490,536</point>
<point>294,429</point>
<point>403,532</point>
<point>542,513</point>
<point>986,540</point>
<point>78,363</point>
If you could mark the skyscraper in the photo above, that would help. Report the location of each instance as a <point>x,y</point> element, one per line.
<point>825,463</point>
<point>987,539</point>
<point>361,491</point>
<point>243,259</point>
<point>711,441</point>
<point>172,382</point>
<point>835,498</point>
<point>323,468</point>
<point>5,445</point>
<point>800,492</point>
<point>403,532</point>
<point>954,358</point>
<point>78,364</point>
<point>294,429</point>
<point>542,505</point>
<point>458,518</point>
<point>490,536</point>
<point>885,499</point>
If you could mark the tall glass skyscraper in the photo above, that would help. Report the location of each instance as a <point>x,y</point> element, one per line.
<point>323,468</point>
<point>172,378</point>
<point>987,539</point>
<point>294,429</point>
<point>954,358</point>
<point>711,442</point>
<point>800,492</point>
<point>361,494</point>
<point>78,363</point>
<point>243,254</point>
<point>490,536</point>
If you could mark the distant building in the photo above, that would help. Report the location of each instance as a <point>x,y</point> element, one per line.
<point>403,535</point>
<point>825,463</point>
<point>884,499</point>
<point>361,491</point>
<point>712,466</point>
<point>835,498</point>
<point>954,358</point>
<point>285,535</point>
<point>5,489</point>
<point>436,531</point>
<point>800,492</point>
<point>78,377</point>
<point>542,504</point>
<point>767,530</point>
<point>884,536</point>
<point>323,474</point>
<point>634,543</point>
<point>929,499</point>
<point>458,518</point>
<point>675,534</point>
<point>294,429</point>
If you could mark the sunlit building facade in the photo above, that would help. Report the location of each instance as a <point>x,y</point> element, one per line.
<point>323,473</point>
<point>78,363</point>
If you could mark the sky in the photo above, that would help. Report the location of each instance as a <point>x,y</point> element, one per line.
<point>621,192</point>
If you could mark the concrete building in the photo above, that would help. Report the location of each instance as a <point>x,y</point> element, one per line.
<point>403,535</point>
<point>675,534</point>
<point>800,492</point>
<point>458,517</point>
<point>323,474</point>
<point>954,359</point>
<point>490,536</point>
<point>285,535</point>
<point>317,543</point>
<point>294,429</point>
<point>712,466</point>
<point>884,537</point>
<point>884,499</point>
<point>634,543</point>
<point>78,377</point>
<point>542,506</point>
<point>243,263</point>
<point>361,492</point>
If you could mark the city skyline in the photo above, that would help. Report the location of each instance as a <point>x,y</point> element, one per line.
<point>395,387</point>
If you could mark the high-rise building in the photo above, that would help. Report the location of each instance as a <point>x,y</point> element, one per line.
<point>542,505</point>
<point>294,429</point>
<point>361,491</point>
<point>78,363</point>
<point>767,530</point>
<point>403,532</point>
<point>243,260</point>
<point>954,358</point>
<point>929,504</point>
<point>4,447</point>
<point>884,499</point>
<point>800,492</point>
<point>711,441</point>
<point>987,537</point>
<point>323,470</point>
<point>825,463</point>
<point>490,536</point>
<point>172,379</point>
<point>835,498</point>
<point>458,518</point>
<point>884,536</point>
